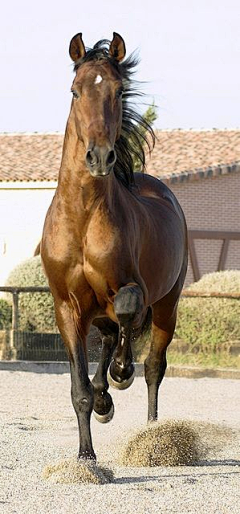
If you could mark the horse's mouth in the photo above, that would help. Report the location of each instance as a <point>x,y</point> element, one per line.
<point>100,172</point>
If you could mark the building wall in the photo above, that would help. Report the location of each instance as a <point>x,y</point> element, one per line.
<point>212,204</point>
<point>22,214</point>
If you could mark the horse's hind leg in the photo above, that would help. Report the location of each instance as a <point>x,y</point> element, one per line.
<point>164,315</point>
<point>129,309</point>
<point>103,408</point>
<point>156,362</point>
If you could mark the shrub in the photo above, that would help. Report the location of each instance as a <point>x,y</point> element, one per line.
<point>207,323</point>
<point>220,282</point>
<point>36,310</point>
<point>5,315</point>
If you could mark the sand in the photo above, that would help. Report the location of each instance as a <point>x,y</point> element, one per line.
<point>39,438</point>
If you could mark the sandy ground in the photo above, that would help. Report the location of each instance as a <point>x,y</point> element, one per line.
<point>38,428</point>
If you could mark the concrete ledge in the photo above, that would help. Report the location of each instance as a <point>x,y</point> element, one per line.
<point>172,371</point>
<point>197,372</point>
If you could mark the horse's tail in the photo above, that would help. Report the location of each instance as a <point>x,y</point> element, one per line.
<point>141,338</point>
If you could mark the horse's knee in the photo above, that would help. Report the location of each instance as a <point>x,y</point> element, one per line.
<point>129,305</point>
<point>82,400</point>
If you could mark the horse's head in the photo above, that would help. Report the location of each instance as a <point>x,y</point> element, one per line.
<point>97,101</point>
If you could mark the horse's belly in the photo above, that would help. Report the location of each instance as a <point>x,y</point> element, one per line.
<point>160,265</point>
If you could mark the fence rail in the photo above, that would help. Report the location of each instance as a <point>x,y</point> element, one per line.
<point>15,291</point>
<point>29,289</point>
<point>199,294</point>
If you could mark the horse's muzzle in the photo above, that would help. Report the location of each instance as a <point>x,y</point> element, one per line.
<point>100,160</point>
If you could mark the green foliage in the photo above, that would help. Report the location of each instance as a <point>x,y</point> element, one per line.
<point>36,309</point>
<point>207,323</point>
<point>149,116</point>
<point>5,315</point>
<point>202,359</point>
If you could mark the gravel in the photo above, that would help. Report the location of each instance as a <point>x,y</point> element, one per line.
<point>39,431</point>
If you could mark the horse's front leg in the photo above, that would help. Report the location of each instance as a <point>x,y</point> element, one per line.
<point>103,404</point>
<point>81,388</point>
<point>129,309</point>
<point>103,407</point>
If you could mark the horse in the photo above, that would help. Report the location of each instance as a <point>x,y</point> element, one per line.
<point>114,242</point>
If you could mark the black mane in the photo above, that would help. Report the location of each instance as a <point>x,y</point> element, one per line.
<point>136,131</point>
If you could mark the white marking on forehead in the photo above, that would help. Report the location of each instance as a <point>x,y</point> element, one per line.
<point>98,79</point>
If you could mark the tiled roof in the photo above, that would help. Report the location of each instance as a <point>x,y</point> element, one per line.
<point>30,157</point>
<point>178,155</point>
<point>191,154</point>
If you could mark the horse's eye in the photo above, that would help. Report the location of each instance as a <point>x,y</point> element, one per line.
<point>119,93</point>
<point>75,94</point>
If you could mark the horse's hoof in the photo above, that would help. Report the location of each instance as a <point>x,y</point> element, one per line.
<point>104,418</point>
<point>124,384</point>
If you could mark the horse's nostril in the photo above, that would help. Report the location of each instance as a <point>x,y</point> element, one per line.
<point>100,159</point>
<point>111,158</point>
<point>91,158</point>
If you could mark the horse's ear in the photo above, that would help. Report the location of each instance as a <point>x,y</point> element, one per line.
<point>117,48</point>
<point>76,47</point>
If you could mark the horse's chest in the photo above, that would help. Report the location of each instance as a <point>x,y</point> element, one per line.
<point>100,242</point>
<point>100,251</point>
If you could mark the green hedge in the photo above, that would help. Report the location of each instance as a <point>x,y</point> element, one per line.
<point>219,282</point>
<point>36,310</point>
<point>5,315</point>
<point>206,323</point>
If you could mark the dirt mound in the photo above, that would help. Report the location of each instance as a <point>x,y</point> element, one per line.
<point>172,443</point>
<point>70,471</point>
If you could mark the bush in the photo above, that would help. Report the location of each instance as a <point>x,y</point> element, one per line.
<point>207,323</point>
<point>36,310</point>
<point>5,315</point>
<point>149,117</point>
<point>220,282</point>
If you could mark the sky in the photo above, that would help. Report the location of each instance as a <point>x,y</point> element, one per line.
<point>189,51</point>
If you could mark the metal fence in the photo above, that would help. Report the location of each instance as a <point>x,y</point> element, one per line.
<point>19,344</point>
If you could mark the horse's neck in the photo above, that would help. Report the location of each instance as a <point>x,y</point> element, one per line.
<point>76,187</point>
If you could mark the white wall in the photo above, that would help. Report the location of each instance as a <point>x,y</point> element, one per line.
<point>22,213</point>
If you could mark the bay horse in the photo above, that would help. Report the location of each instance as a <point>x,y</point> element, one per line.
<point>114,243</point>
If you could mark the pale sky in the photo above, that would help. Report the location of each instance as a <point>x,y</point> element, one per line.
<point>189,50</point>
